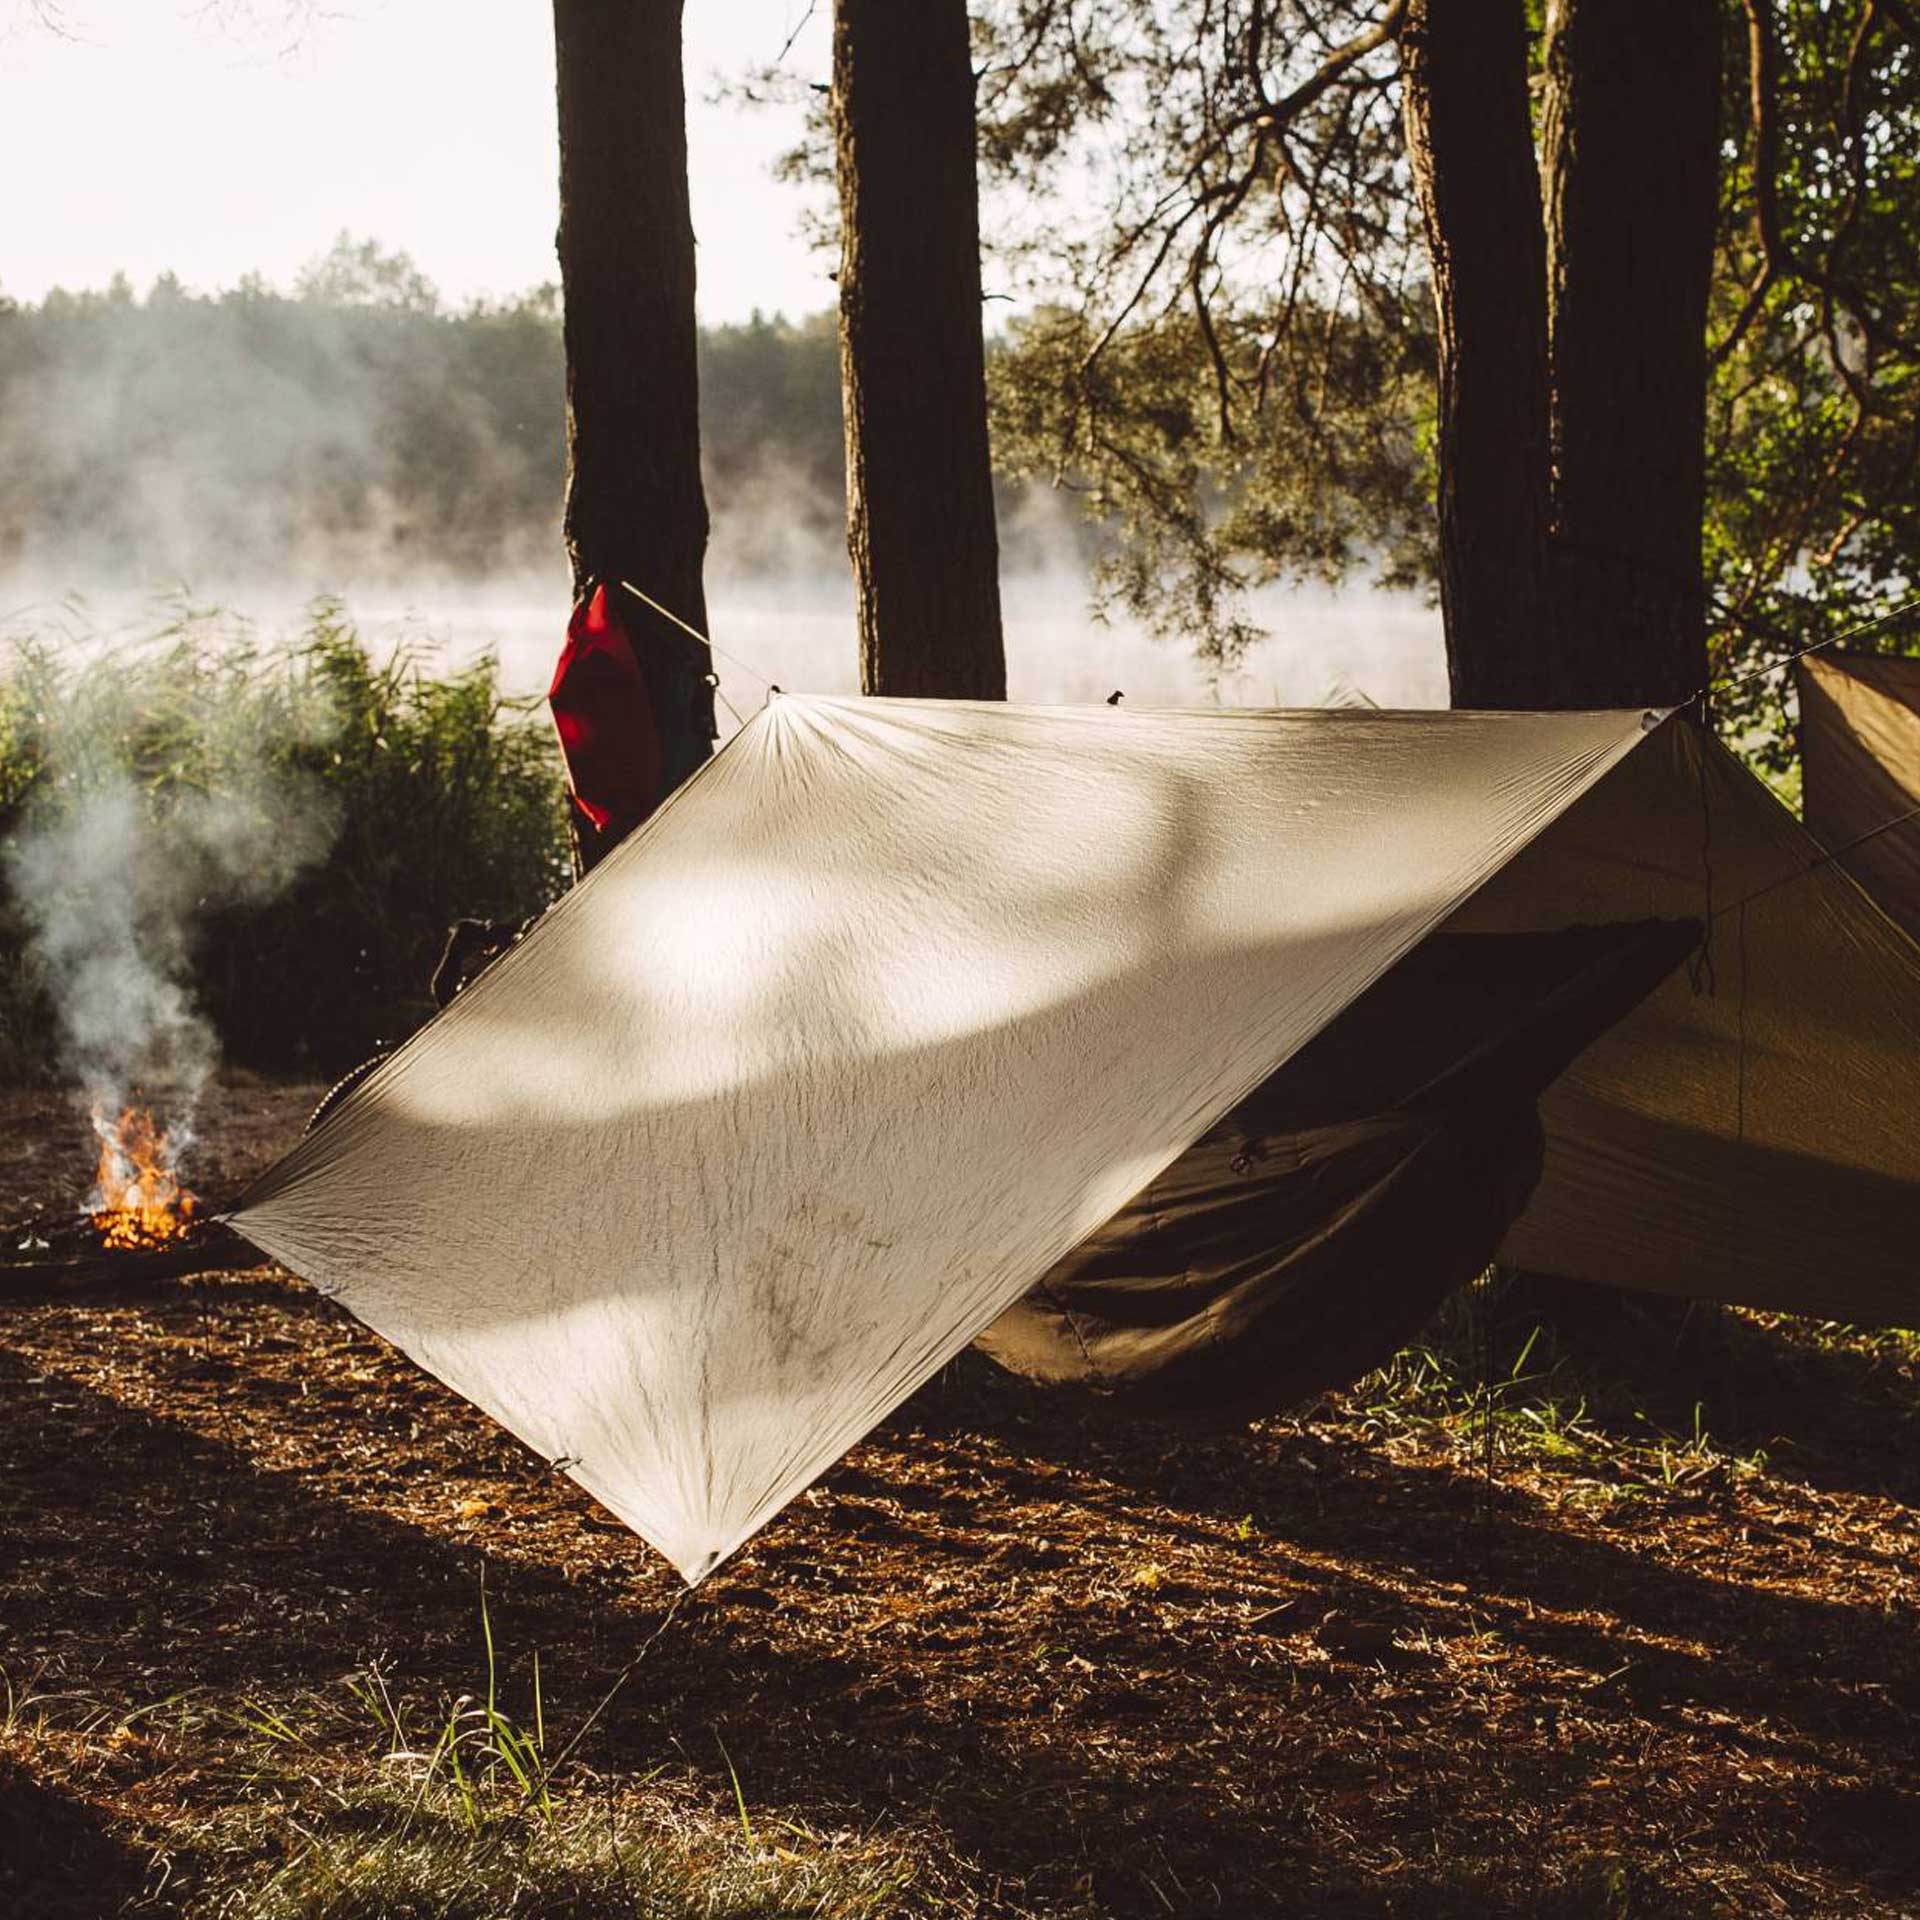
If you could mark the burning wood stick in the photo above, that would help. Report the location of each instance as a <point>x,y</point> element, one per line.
<point>209,1249</point>
<point>141,1223</point>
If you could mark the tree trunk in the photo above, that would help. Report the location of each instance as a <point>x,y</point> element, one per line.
<point>920,524</point>
<point>635,507</point>
<point>1630,150</point>
<point>1470,144</point>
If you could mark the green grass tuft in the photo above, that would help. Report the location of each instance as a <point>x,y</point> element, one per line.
<point>586,1861</point>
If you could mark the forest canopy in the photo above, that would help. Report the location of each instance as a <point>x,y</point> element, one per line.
<point>1236,357</point>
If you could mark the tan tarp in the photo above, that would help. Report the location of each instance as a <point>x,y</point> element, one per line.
<point>1860,757</point>
<point>1756,1140</point>
<point>895,1002</point>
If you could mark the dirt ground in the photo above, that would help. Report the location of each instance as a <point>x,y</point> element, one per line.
<point>1321,1667</point>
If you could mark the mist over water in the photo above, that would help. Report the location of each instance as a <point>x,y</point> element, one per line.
<point>185,475</point>
<point>797,631</point>
<point>251,452</point>
<point>358,439</point>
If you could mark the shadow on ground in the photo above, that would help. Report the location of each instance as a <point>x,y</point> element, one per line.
<point>1115,1670</point>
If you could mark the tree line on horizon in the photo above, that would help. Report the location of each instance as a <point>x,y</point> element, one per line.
<point>359,423</point>
<point>360,427</point>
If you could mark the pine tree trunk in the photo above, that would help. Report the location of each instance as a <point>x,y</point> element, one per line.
<point>920,525</point>
<point>1470,144</point>
<point>636,510</point>
<point>1630,150</point>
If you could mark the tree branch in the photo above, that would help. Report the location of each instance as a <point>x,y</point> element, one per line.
<point>1776,256</point>
<point>1386,28</point>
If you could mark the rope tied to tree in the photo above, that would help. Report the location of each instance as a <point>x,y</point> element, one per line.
<point>1909,605</point>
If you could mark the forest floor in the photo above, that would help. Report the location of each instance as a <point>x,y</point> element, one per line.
<point>1008,1658</point>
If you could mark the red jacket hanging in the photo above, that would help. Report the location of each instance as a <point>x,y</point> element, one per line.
<point>604,713</point>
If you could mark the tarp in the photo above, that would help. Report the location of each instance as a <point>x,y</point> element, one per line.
<point>1749,1136</point>
<point>895,1002</point>
<point>1860,761</point>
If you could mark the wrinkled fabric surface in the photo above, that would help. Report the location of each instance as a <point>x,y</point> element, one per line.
<point>878,1016</point>
<point>894,1003</point>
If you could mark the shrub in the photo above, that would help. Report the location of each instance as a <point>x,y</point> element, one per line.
<point>321,816</point>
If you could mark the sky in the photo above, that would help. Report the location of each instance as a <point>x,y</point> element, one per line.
<point>207,139</point>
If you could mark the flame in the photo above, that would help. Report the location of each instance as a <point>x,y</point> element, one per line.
<point>138,1198</point>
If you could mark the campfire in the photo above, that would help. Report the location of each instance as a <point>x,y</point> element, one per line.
<point>138,1200</point>
<point>141,1223</point>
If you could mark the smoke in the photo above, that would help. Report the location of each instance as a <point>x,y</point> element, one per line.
<point>167,790</point>
<point>101,888</point>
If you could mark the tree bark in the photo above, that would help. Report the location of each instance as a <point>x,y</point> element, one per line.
<point>636,509</point>
<point>920,521</point>
<point>1470,144</point>
<point>1630,158</point>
